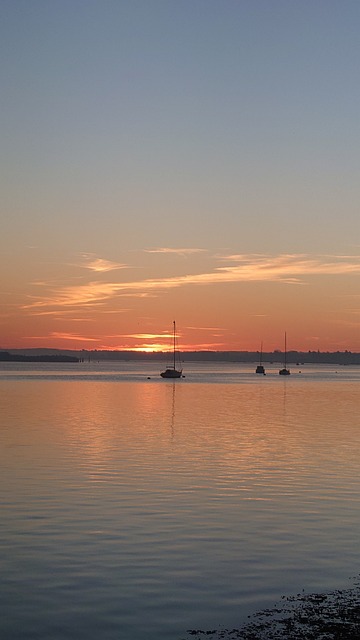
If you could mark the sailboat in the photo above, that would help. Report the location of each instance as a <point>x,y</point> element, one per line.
<point>172,371</point>
<point>284,371</point>
<point>260,368</point>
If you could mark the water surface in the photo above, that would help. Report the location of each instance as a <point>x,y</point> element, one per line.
<point>138,508</point>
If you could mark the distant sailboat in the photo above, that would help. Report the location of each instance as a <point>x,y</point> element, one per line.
<point>260,368</point>
<point>172,371</point>
<point>284,371</point>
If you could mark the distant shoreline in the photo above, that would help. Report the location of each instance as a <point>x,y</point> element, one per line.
<point>274,357</point>
<point>5,356</point>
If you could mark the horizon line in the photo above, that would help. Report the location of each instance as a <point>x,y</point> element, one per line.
<point>169,350</point>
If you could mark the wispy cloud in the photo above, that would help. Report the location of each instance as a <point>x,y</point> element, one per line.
<point>205,346</point>
<point>72,336</point>
<point>101,265</point>
<point>63,314</point>
<point>205,328</point>
<point>59,335</point>
<point>292,269</point>
<point>145,336</point>
<point>172,250</point>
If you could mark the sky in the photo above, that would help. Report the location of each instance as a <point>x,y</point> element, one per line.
<point>188,160</point>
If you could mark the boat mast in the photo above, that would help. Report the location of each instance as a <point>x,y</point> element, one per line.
<point>285,352</point>
<point>174,343</point>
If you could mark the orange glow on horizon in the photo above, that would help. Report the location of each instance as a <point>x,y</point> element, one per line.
<point>221,303</point>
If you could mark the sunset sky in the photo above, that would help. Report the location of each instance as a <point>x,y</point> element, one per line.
<point>196,160</point>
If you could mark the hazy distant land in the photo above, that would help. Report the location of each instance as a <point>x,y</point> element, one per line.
<point>292,357</point>
<point>17,356</point>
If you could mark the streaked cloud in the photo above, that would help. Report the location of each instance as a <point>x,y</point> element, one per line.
<point>72,336</point>
<point>146,336</point>
<point>204,346</point>
<point>172,250</point>
<point>205,328</point>
<point>292,269</point>
<point>60,335</point>
<point>100,265</point>
<point>63,314</point>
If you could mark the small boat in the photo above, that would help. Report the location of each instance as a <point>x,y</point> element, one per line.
<point>172,371</point>
<point>284,371</point>
<point>260,368</point>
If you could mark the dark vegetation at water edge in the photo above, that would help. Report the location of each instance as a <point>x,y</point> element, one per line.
<point>317,616</point>
<point>5,356</point>
<point>293,357</point>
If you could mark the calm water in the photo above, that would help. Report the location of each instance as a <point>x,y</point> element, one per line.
<point>136,509</point>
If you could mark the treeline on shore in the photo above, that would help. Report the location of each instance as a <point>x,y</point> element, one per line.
<point>5,356</point>
<point>292,357</point>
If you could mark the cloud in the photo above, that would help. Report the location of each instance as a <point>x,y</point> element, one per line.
<point>63,314</point>
<point>292,269</point>
<point>71,336</point>
<point>63,336</point>
<point>205,328</point>
<point>180,252</point>
<point>105,265</point>
<point>145,336</point>
<point>100,264</point>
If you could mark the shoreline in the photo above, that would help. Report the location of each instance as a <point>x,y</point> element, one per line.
<point>293,357</point>
<point>333,615</point>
